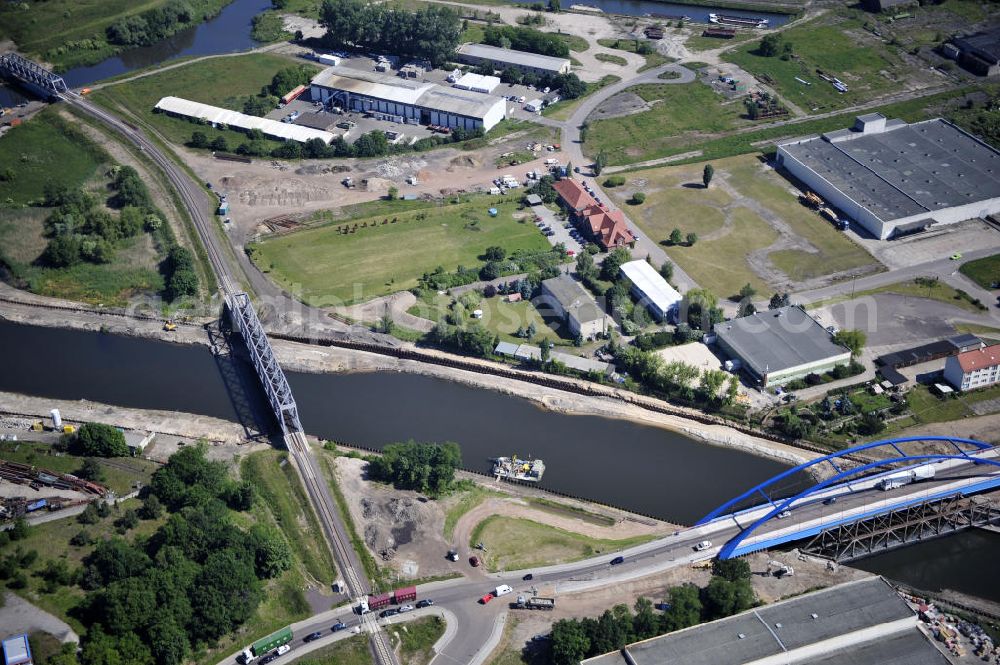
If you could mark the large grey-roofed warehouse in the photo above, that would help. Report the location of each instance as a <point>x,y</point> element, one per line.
<point>399,99</point>
<point>892,177</point>
<point>501,58</point>
<point>864,621</point>
<point>565,295</point>
<point>780,345</point>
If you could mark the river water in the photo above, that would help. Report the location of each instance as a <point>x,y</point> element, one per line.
<point>226,33</point>
<point>695,13</point>
<point>648,470</point>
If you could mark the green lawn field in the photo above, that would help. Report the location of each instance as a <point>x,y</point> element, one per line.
<point>985,272</point>
<point>328,267</point>
<point>728,230</point>
<point>207,81</point>
<point>677,110</point>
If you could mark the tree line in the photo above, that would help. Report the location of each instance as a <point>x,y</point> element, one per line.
<point>526,39</point>
<point>729,592</point>
<point>425,467</point>
<point>159,23</point>
<point>431,32</point>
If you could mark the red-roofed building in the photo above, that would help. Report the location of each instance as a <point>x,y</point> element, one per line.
<point>974,369</point>
<point>606,227</point>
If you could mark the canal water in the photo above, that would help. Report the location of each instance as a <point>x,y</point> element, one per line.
<point>644,469</point>
<point>226,33</point>
<point>696,13</point>
<point>964,562</point>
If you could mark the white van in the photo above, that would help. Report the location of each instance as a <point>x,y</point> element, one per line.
<point>502,590</point>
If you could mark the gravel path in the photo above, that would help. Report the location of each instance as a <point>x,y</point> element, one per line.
<point>18,616</point>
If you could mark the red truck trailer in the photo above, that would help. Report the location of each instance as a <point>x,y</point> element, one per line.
<point>379,601</point>
<point>404,595</point>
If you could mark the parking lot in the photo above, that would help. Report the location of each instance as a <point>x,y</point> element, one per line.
<point>558,231</point>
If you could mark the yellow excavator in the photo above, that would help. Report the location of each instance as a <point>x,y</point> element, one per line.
<point>170,326</point>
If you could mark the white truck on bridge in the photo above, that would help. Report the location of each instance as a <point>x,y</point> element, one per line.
<point>900,478</point>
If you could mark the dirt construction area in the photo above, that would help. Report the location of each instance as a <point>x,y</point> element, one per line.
<point>268,188</point>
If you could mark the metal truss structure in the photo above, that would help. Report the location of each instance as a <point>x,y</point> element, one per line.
<point>279,393</point>
<point>921,521</point>
<point>32,73</point>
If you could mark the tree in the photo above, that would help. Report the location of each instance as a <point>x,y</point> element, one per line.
<point>20,530</point>
<point>100,440</point>
<point>151,508</point>
<point>638,198</point>
<point>706,175</point>
<point>532,331</point>
<point>701,308</point>
<point>62,251</point>
<point>685,608</point>
<point>732,390</point>
<point>600,163</point>
<point>220,144</point>
<point>675,237</point>
<point>851,339</point>
<point>199,140</point>
<point>272,555</point>
<point>723,598</point>
<point>613,262</point>
<point>570,643</point>
<point>746,308</point>
<point>645,623</point>
<point>747,292</point>
<point>585,266</point>
<point>495,253</point>
<point>692,238</point>
<point>667,270</point>
<point>731,569</point>
<point>425,467</point>
<point>779,300</point>
<point>770,45</point>
<point>91,470</point>
<point>167,641</point>
<point>554,6</point>
<point>393,193</point>
<point>870,424</point>
<point>545,352</point>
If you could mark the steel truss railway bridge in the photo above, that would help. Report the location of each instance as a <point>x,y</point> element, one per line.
<point>853,512</point>
<point>244,317</point>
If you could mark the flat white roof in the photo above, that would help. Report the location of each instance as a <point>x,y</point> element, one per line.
<point>220,116</point>
<point>477,82</point>
<point>510,56</point>
<point>16,650</point>
<point>651,284</point>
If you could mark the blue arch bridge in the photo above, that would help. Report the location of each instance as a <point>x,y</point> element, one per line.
<point>861,500</point>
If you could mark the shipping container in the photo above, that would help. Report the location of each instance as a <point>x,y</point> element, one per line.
<point>376,602</point>
<point>294,94</point>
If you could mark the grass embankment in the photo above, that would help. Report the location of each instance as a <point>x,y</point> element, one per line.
<point>415,639</point>
<point>278,484</point>
<point>387,253</point>
<point>575,512</point>
<point>121,475</point>
<point>653,59</point>
<point>985,271</point>
<point>613,59</point>
<point>462,503</point>
<point>574,42</point>
<point>352,651</point>
<point>207,81</point>
<point>728,231</point>
<point>677,109</point>
<point>69,33</point>
<point>48,150</point>
<point>517,544</point>
<point>837,45</point>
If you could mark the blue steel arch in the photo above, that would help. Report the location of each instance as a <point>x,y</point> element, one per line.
<point>894,443</point>
<point>728,550</point>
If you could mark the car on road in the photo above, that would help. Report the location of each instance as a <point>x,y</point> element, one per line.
<point>406,608</point>
<point>474,561</point>
<point>528,577</point>
<point>426,602</point>
<point>956,256</point>
<point>487,598</point>
<point>385,614</point>
<point>703,545</point>
<point>312,636</point>
<point>829,501</point>
<point>283,649</point>
<point>783,514</point>
<point>617,560</point>
<point>337,627</point>
<point>576,169</point>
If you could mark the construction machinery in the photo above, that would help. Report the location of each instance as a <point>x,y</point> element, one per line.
<point>170,326</point>
<point>812,200</point>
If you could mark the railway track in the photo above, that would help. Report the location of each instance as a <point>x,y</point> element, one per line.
<point>192,197</point>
